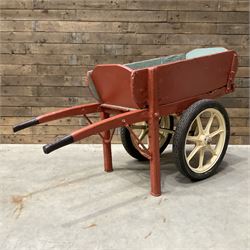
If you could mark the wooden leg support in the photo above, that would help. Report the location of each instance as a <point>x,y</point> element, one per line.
<point>153,122</point>
<point>155,173</point>
<point>107,154</point>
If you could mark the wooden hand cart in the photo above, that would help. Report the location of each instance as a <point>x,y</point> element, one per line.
<point>144,97</point>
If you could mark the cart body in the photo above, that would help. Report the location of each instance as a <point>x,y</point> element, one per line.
<point>176,78</point>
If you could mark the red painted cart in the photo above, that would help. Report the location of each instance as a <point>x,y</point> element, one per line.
<point>144,99</point>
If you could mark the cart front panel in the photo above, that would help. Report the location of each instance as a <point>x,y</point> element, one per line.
<point>113,84</point>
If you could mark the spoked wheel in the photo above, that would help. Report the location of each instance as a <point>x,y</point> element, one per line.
<point>141,130</point>
<point>201,139</point>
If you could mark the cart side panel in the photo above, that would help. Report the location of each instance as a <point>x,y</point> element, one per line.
<point>113,84</point>
<point>193,77</point>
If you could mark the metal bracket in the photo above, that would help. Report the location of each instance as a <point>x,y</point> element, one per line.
<point>231,76</point>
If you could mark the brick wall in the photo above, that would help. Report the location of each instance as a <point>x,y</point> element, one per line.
<point>44,44</point>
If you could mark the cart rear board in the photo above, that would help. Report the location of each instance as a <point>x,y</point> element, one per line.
<point>148,90</point>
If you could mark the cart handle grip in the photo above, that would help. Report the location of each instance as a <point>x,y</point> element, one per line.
<point>26,124</point>
<point>53,146</point>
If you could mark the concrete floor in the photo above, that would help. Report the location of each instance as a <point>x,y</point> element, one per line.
<point>65,201</point>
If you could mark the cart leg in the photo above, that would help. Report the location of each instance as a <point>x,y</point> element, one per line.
<point>107,154</point>
<point>153,122</point>
<point>155,172</point>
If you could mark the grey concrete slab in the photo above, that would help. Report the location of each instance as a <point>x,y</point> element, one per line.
<point>66,201</point>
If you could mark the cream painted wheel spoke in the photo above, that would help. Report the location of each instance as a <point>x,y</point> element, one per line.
<point>161,135</point>
<point>199,124</point>
<point>201,157</point>
<point>193,138</point>
<point>138,126</point>
<point>219,131</point>
<point>210,149</point>
<point>193,153</point>
<point>210,121</point>
<point>142,136</point>
<point>163,130</point>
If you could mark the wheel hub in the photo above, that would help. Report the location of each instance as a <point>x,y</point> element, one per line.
<point>208,140</point>
<point>205,140</point>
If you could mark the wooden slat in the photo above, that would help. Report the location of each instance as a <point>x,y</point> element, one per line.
<point>164,50</point>
<point>44,91</point>
<point>86,15</point>
<point>16,25</point>
<point>244,61</point>
<point>45,80</point>
<point>174,5</point>
<point>72,121</point>
<point>36,111</point>
<point>66,49</point>
<point>205,39</point>
<point>15,111</point>
<point>37,37</point>
<point>232,29</point>
<point>16,4</point>
<point>17,69</point>
<point>80,4</point>
<point>235,112</point>
<point>198,5</point>
<point>189,28</point>
<point>242,82</point>
<point>37,14</point>
<point>101,49</point>
<point>245,140</point>
<point>243,72</point>
<point>239,92</point>
<point>17,48</point>
<point>61,70</point>
<point>208,16</point>
<point>235,102</point>
<point>69,26</point>
<point>231,5</point>
<point>30,59</point>
<point>18,91</point>
<point>239,122</point>
<point>34,101</point>
<point>123,38</point>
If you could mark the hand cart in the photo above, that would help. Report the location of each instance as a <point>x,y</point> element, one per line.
<point>144,98</point>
